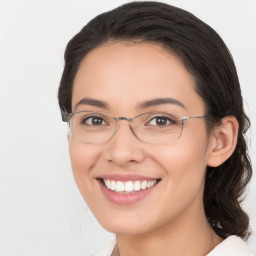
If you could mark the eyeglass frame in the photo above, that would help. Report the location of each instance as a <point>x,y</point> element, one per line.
<point>66,117</point>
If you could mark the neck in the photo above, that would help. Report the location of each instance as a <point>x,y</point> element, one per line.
<point>191,236</point>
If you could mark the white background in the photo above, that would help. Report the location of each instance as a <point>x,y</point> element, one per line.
<point>41,211</point>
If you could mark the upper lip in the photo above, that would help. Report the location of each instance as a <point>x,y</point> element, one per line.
<point>126,177</point>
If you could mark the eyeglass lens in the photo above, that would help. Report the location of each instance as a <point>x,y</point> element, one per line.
<point>99,127</point>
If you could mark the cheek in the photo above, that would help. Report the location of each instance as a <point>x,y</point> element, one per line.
<point>186,170</point>
<point>184,164</point>
<point>184,160</point>
<point>83,157</point>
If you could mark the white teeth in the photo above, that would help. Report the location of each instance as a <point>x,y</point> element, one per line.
<point>119,186</point>
<point>112,185</point>
<point>128,186</point>
<point>108,184</point>
<point>136,186</point>
<point>144,184</point>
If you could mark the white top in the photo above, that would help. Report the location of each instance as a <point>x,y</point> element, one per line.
<point>231,246</point>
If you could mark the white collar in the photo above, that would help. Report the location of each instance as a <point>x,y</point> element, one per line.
<point>231,246</point>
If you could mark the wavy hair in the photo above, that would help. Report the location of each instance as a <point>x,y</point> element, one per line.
<point>206,57</point>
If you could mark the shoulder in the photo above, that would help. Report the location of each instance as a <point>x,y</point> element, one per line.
<point>106,250</point>
<point>233,245</point>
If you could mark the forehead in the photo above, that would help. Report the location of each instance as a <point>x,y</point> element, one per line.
<point>124,74</point>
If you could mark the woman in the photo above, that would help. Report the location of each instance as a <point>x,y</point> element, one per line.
<point>157,143</point>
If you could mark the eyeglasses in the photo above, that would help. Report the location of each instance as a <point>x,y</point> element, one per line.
<point>152,127</point>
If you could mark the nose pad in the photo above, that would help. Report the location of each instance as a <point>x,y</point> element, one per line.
<point>124,147</point>
<point>127,134</point>
<point>124,118</point>
<point>129,123</point>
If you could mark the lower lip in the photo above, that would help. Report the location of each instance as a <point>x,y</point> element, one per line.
<point>124,199</point>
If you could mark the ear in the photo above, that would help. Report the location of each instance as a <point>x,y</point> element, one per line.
<point>223,141</point>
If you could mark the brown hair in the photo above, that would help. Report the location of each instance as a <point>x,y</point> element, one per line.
<point>207,58</point>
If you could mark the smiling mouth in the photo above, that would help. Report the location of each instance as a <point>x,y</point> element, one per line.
<point>128,187</point>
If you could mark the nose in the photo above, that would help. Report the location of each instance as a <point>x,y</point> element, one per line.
<point>125,148</point>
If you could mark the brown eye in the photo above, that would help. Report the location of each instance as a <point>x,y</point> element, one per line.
<point>160,121</point>
<point>94,120</point>
<point>97,121</point>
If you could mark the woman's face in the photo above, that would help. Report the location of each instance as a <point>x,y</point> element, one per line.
<point>122,78</point>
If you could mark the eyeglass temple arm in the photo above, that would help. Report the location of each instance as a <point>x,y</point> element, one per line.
<point>192,117</point>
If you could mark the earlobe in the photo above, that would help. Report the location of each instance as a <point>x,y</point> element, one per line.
<point>223,141</point>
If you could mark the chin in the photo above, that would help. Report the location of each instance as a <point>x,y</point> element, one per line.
<point>126,229</point>
<point>127,224</point>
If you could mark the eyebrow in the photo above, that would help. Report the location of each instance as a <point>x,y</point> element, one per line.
<point>143,105</point>
<point>92,102</point>
<point>159,101</point>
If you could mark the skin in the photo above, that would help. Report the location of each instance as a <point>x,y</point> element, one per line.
<point>171,219</point>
